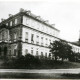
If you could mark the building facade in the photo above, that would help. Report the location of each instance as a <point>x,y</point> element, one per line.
<point>25,33</point>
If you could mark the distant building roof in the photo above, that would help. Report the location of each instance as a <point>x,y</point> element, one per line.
<point>77,43</point>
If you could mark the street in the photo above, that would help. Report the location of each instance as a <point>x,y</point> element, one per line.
<point>40,73</point>
<point>75,71</point>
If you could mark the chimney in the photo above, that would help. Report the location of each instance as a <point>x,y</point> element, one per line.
<point>37,17</point>
<point>46,21</point>
<point>2,19</point>
<point>28,12</point>
<point>53,25</point>
<point>21,10</point>
<point>10,15</point>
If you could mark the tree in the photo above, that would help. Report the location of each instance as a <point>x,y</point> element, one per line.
<point>60,49</point>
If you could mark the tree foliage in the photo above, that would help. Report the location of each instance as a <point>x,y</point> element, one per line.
<point>60,49</point>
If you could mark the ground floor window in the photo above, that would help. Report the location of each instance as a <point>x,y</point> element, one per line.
<point>41,54</point>
<point>49,55</point>
<point>15,52</point>
<point>45,55</point>
<point>32,52</point>
<point>26,51</point>
<point>36,53</point>
<point>9,52</point>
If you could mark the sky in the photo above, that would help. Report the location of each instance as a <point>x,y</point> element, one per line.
<point>65,14</point>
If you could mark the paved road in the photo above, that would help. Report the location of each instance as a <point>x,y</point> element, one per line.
<point>76,71</point>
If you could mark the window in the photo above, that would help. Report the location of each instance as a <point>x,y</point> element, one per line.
<point>49,41</point>
<point>46,41</point>
<point>41,40</point>
<point>37,42</point>
<point>38,25</point>
<point>32,52</point>
<point>15,36</point>
<point>42,27</point>
<point>5,35</point>
<point>41,54</point>
<point>27,21</point>
<point>15,21</point>
<point>26,36</point>
<point>11,23</point>
<point>26,51</point>
<point>46,55</point>
<point>49,55</point>
<point>50,31</point>
<point>32,36</point>
<point>45,28</point>
<point>15,52</point>
<point>36,53</point>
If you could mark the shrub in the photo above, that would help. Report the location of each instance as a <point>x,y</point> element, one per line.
<point>27,61</point>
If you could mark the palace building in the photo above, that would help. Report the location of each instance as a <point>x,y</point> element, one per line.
<point>25,33</point>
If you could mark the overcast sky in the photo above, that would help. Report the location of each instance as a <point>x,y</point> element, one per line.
<point>65,14</point>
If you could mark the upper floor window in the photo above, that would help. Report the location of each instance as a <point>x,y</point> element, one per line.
<point>26,36</point>
<point>5,35</point>
<point>42,27</point>
<point>41,40</point>
<point>11,23</point>
<point>37,40</point>
<point>38,25</point>
<point>27,21</point>
<point>15,21</point>
<point>32,38</point>
<point>49,41</point>
<point>46,41</point>
<point>15,36</point>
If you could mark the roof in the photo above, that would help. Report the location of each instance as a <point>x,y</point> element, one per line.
<point>77,43</point>
<point>28,13</point>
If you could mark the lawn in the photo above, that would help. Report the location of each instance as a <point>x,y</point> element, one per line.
<point>38,76</point>
<point>31,76</point>
<point>46,65</point>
